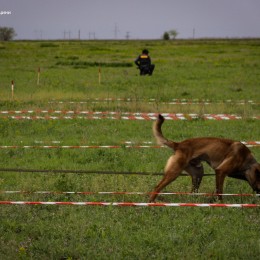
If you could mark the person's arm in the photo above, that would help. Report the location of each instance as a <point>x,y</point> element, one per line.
<point>137,61</point>
<point>149,60</point>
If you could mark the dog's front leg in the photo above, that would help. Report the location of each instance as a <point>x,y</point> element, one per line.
<point>220,177</point>
<point>222,171</point>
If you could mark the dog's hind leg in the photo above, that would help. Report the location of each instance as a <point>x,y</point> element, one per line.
<point>175,165</point>
<point>196,172</point>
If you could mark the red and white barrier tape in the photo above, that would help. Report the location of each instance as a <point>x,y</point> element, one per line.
<point>129,204</point>
<point>127,193</point>
<point>115,115</point>
<point>148,143</point>
<point>77,146</point>
<point>173,117</point>
<point>249,144</point>
<point>152,100</point>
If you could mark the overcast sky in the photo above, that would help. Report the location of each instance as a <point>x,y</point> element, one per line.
<point>136,19</point>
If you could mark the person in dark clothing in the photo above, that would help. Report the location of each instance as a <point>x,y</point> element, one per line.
<point>144,64</point>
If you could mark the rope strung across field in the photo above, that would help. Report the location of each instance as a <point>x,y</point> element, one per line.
<point>128,204</point>
<point>85,172</point>
<point>69,114</point>
<point>79,171</point>
<point>127,193</point>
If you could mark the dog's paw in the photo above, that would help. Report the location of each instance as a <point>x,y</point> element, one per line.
<point>213,199</point>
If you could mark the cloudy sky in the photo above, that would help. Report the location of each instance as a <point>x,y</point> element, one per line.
<point>135,19</point>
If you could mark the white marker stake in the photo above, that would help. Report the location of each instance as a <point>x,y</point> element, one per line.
<point>38,80</point>
<point>99,75</point>
<point>12,88</point>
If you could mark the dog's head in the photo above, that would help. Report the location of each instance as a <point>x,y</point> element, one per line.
<point>253,177</point>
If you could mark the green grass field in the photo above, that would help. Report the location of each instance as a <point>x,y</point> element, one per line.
<point>213,70</point>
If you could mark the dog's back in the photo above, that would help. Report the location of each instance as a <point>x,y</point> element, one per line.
<point>210,149</point>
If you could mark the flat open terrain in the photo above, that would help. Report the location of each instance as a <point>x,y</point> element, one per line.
<point>46,124</point>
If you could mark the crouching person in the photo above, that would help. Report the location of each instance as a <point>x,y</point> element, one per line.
<point>144,64</point>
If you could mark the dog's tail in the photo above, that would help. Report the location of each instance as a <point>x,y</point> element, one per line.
<point>157,132</point>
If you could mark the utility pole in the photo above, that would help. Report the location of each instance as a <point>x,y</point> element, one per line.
<point>193,33</point>
<point>92,35</point>
<point>64,34</point>
<point>116,31</point>
<point>39,34</point>
<point>79,35</point>
<point>127,35</point>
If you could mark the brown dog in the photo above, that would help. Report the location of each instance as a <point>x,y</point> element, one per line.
<point>226,157</point>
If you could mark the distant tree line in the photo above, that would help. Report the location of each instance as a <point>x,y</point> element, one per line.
<point>7,33</point>
<point>170,35</point>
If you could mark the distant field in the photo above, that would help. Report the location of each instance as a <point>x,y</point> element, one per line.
<point>202,69</point>
<point>211,76</point>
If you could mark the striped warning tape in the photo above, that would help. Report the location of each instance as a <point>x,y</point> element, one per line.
<point>127,193</point>
<point>77,112</point>
<point>146,143</point>
<point>71,114</point>
<point>152,100</point>
<point>129,204</point>
<point>76,146</point>
<point>123,142</point>
<point>135,116</point>
<point>116,115</point>
<point>249,144</point>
